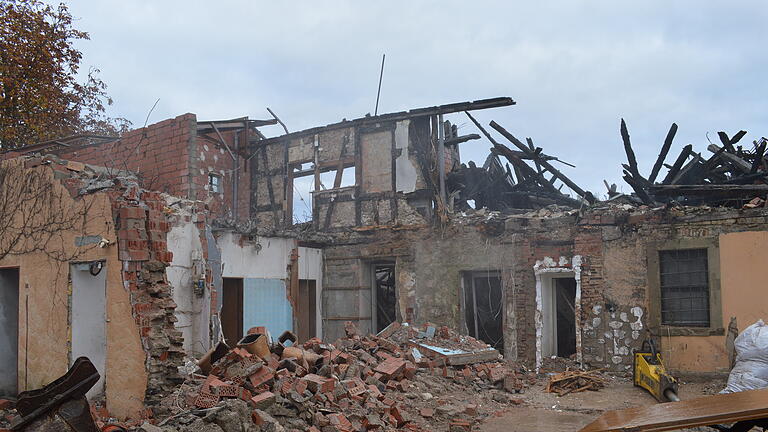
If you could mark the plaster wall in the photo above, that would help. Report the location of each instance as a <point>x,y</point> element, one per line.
<point>45,330</point>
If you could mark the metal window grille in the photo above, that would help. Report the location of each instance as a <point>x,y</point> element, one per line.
<point>684,287</point>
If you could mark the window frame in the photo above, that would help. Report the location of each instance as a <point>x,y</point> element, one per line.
<point>715,327</point>
<point>219,188</point>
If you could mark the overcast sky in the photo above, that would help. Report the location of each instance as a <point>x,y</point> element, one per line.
<point>574,67</point>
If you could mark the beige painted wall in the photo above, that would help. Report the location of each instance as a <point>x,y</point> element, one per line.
<point>44,332</point>
<point>743,261</point>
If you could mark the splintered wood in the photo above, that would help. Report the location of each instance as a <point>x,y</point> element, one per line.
<point>574,382</point>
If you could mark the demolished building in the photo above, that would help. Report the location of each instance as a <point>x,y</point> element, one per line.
<point>192,238</point>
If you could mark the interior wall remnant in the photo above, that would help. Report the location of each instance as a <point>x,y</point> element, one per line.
<point>187,274</point>
<point>545,270</point>
<point>376,154</point>
<point>214,269</point>
<point>406,174</point>
<point>9,331</point>
<point>89,316</point>
<point>261,261</point>
<point>266,303</point>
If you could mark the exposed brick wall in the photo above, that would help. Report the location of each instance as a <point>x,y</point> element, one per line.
<point>212,157</point>
<point>158,153</point>
<point>169,157</point>
<point>142,247</point>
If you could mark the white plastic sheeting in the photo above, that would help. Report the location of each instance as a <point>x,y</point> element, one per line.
<point>751,369</point>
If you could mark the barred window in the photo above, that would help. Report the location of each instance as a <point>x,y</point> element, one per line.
<point>684,287</point>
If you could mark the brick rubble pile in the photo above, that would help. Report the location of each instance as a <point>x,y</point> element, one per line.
<point>359,383</point>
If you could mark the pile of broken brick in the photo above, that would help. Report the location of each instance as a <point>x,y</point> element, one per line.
<point>358,383</point>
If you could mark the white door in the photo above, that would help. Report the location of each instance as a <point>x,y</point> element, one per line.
<point>89,318</point>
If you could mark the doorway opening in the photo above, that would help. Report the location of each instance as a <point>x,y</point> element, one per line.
<point>558,306</point>
<point>565,305</point>
<point>484,307</point>
<point>385,295</point>
<point>232,310</point>
<point>89,317</point>
<point>9,331</point>
<point>307,310</point>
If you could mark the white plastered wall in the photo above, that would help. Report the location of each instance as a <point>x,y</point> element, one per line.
<point>193,306</point>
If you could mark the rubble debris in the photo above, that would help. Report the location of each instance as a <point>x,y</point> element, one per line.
<point>357,383</point>
<point>732,176</point>
<point>574,381</point>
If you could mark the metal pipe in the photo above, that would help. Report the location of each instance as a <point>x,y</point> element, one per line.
<point>378,92</point>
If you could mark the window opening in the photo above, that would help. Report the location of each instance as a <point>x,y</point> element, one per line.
<point>214,183</point>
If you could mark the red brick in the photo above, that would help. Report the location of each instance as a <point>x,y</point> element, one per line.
<point>132,213</point>
<point>263,400</point>
<point>391,367</point>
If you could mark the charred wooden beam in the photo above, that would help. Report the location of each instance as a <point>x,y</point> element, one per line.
<point>759,152</point>
<point>678,163</point>
<point>739,163</point>
<point>706,190</point>
<point>747,178</point>
<point>638,188</point>
<point>527,172</point>
<point>628,150</point>
<point>688,171</point>
<point>563,178</point>
<point>461,139</point>
<point>663,153</point>
<point>529,141</point>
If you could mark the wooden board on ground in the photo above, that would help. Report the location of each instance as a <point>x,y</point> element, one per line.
<point>705,411</point>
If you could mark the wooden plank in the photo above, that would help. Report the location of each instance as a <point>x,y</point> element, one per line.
<point>663,153</point>
<point>704,411</point>
<point>711,190</point>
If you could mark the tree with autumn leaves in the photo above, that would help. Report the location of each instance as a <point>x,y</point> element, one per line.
<point>42,94</point>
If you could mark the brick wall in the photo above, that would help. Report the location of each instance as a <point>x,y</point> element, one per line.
<point>158,154</point>
<point>142,228</point>
<point>212,157</point>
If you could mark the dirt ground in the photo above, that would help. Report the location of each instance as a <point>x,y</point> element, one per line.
<point>543,411</point>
